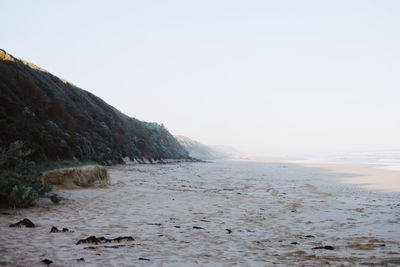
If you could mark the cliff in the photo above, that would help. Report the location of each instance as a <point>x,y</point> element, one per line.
<point>200,151</point>
<point>60,121</point>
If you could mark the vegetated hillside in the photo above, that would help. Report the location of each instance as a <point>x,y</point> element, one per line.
<point>200,151</point>
<point>61,121</point>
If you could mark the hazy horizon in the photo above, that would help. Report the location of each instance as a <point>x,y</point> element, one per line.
<point>266,77</point>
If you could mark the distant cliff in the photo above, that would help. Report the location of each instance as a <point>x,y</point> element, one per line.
<point>61,121</point>
<point>200,151</point>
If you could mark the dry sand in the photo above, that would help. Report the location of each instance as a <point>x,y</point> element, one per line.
<point>265,206</point>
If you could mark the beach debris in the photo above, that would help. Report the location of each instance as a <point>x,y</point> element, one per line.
<point>55,230</point>
<point>115,246</point>
<point>294,243</point>
<point>197,227</point>
<point>99,240</point>
<point>47,261</point>
<point>143,259</point>
<point>229,231</point>
<point>25,222</point>
<point>324,247</point>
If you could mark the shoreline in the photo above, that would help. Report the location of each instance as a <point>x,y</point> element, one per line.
<point>366,176</point>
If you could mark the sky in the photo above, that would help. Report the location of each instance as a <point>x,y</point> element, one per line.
<point>266,77</point>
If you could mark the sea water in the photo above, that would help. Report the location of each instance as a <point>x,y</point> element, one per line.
<point>385,159</point>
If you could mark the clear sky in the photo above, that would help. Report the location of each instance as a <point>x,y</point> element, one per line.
<point>268,77</point>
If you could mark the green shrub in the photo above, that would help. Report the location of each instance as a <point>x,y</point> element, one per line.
<point>20,184</point>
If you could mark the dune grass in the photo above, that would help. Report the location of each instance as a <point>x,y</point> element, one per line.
<point>70,178</point>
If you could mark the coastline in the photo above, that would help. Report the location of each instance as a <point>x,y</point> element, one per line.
<point>366,176</point>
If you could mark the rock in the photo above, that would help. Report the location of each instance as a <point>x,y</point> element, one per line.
<point>123,238</point>
<point>294,243</point>
<point>229,231</point>
<point>25,222</point>
<point>115,246</point>
<point>197,227</point>
<point>81,259</point>
<point>324,247</point>
<point>94,240</point>
<point>309,236</point>
<point>47,261</point>
<point>90,248</point>
<point>91,240</point>
<point>177,226</point>
<point>54,230</point>
<point>143,259</point>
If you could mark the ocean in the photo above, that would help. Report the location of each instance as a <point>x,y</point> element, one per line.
<point>385,159</point>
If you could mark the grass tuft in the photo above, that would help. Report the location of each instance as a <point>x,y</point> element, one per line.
<point>70,178</point>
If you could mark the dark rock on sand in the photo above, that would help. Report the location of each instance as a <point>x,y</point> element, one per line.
<point>324,247</point>
<point>98,240</point>
<point>123,238</point>
<point>177,226</point>
<point>143,259</point>
<point>47,261</point>
<point>24,223</point>
<point>92,240</point>
<point>294,243</point>
<point>229,231</point>
<point>309,236</point>
<point>197,227</point>
<point>55,230</point>
<point>90,248</point>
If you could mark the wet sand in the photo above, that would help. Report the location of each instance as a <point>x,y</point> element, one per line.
<point>237,213</point>
<point>367,176</point>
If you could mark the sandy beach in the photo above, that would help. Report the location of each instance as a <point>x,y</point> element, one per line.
<point>232,213</point>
